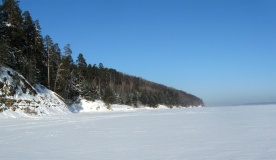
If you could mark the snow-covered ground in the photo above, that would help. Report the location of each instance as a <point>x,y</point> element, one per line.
<point>99,106</point>
<point>209,133</point>
<point>26,99</point>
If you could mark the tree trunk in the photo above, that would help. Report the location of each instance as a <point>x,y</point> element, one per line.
<point>48,66</point>
<point>57,76</point>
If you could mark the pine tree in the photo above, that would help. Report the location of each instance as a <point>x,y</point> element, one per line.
<point>101,78</point>
<point>29,50</point>
<point>109,97</point>
<point>6,58</point>
<point>82,65</point>
<point>67,59</point>
<point>41,55</point>
<point>67,83</point>
<point>11,31</point>
<point>82,84</point>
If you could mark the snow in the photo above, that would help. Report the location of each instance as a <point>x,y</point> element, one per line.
<point>37,100</point>
<point>99,106</point>
<point>44,102</point>
<point>52,131</point>
<point>8,24</point>
<point>209,133</point>
<point>89,106</point>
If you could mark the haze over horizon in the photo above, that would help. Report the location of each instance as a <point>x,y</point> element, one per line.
<point>221,51</point>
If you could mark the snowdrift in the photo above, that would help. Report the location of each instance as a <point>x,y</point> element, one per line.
<point>84,105</point>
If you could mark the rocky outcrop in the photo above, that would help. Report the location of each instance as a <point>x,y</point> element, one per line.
<point>18,95</point>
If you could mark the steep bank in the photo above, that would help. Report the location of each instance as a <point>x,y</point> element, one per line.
<point>19,97</point>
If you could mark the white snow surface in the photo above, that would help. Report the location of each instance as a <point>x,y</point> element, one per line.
<point>208,133</point>
<point>89,106</point>
<point>99,106</point>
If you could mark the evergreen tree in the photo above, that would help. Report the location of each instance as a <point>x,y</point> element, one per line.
<point>81,64</point>
<point>6,57</point>
<point>108,97</point>
<point>100,76</point>
<point>67,85</point>
<point>31,70</point>
<point>67,59</point>
<point>41,55</point>
<point>82,84</point>
<point>11,31</point>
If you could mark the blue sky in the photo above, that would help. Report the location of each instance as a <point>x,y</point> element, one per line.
<point>223,51</point>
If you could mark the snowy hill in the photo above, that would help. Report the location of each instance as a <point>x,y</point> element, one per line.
<point>19,98</point>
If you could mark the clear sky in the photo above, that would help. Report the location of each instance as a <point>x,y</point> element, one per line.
<point>223,51</point>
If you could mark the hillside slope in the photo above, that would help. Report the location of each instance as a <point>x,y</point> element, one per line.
<point>19,97</point>
<point>114,87</point>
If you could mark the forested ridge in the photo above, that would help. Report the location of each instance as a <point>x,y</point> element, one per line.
<point>40,60</point>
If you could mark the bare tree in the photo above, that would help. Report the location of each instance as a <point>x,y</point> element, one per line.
<point>58,75</point>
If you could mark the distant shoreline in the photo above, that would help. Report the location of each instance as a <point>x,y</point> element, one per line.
<point>244,104</point>
<point>260,103</point>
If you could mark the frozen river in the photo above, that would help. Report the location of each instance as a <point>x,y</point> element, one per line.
<point>210,133</point>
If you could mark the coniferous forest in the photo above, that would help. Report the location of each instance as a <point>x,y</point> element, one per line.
<point>41,60</point>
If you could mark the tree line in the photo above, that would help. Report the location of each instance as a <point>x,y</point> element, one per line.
<point>40,60</point>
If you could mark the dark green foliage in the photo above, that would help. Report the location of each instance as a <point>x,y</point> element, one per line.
<point>6,57</point>
<point>116,87</point>
<point>108,96</point>
<point>12,33</point>
<point>88,91</point>
<point>20,42</point>
<point>30,69</point>
<point>40,56</point>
